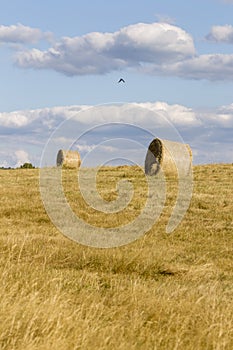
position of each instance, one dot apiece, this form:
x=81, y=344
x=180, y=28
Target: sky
x=60, y=62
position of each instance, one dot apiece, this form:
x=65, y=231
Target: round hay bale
x=68, y=159
x=172, y=157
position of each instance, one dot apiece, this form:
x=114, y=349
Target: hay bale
x=68, y=159
x=172, y=157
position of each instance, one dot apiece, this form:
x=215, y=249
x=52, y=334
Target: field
x=160, y=292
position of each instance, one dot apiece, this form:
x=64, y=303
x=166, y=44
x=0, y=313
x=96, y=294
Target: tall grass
x=159, y=292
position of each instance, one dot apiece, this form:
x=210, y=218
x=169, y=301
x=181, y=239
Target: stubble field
x=160, y=292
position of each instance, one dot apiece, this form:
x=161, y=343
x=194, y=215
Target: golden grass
x=160, y=292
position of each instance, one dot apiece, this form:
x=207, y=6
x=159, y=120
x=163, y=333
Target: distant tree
x=27, y=166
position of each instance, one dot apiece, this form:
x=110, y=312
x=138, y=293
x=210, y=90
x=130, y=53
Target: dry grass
x=160, y=292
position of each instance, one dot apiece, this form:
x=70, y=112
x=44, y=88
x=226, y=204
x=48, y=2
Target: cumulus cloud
x=225, y=116
x=98, y=53
x=209, y=67
x=39, y=119
x=47, y=119
x=22, y=157
x=4, y=163
x=177, y=114
x=157, y=48
x=14, y=119
x=221, y=34
x=20, y=34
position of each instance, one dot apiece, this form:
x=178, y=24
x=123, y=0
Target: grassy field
x=159, y=292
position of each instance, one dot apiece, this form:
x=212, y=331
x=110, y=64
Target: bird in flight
x=121, y=81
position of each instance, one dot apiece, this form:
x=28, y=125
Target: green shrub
x=27, y=166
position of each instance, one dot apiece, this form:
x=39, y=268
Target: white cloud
x=48, y=119
x=22, y=157
x=20, y=34
x=85, y=148
x=221, y=34
x=89, y=148
x=4, y=163
x=14, y=119
x=209, y=67
x=98, y=53
x=177, y=114
x=45, y=118
x=225, y=116
x=156, y=48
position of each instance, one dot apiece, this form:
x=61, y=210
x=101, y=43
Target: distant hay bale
x=68, y=159
x=172, y=157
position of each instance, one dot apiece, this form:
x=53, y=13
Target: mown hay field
x=160, y=292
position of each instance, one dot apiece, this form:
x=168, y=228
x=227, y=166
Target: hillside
x=160, y=292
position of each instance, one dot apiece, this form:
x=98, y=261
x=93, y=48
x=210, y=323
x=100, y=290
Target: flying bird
x=121, y=81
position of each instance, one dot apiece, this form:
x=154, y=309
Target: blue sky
x=57, y=56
